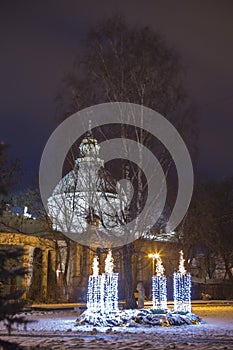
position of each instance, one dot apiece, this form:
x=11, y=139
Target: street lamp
x=153, y=256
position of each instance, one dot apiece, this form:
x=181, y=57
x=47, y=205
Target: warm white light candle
x=95, y=266
x=182, y=269
x=109, y=264
x=159, y=266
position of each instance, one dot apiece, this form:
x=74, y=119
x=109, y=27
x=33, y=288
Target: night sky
x=38, y=40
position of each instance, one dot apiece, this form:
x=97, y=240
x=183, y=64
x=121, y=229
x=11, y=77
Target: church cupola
x=89, y=146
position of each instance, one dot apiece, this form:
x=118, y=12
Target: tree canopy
x=130, y=64
x=119, y=63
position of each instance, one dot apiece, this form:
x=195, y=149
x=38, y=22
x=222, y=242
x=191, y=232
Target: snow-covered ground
x=57, y=330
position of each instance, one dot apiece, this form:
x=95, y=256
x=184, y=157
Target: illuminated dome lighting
x=87, y=204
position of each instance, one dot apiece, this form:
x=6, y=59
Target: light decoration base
x=182, y=288
x=102, y=307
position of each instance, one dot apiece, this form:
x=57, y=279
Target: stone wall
x=34, y=246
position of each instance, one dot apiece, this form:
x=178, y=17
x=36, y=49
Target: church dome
x=75, y=180
x=87, y=198
x=88, y=167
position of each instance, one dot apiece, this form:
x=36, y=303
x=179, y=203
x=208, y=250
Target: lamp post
x=153, y=256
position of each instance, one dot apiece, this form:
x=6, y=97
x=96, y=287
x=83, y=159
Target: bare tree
x=209, y=224
x=119, y=63
x=10, y=173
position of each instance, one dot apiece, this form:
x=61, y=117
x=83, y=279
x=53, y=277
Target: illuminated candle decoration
x=102, y=294
x=159, y=286
x=109, y=286
x=102, y=306
x=94, y=288
x=182, y=287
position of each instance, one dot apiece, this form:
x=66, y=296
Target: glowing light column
x=159, y=286
x=182, y=287
x=109, y=287
x=94, y=288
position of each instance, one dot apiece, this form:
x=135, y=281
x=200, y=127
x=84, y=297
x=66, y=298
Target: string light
x=94, y=288
x=94, y=293
x=109, y=289
x=102, y=294
x=109, y=286
x=182, y=287
x=159, y=286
